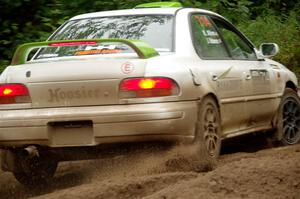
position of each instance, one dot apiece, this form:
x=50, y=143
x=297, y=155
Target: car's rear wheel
x=208, y=131
x=32, y=171
x=288, y=125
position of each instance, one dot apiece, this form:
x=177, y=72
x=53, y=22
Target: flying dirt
x=249, y=170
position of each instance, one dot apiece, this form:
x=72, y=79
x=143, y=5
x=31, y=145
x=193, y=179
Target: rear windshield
x=156, y=30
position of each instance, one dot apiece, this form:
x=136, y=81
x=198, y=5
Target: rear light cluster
x=14, y=93
x=148, y=87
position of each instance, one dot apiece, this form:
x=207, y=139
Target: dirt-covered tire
x=208, y=132
x=288, y=118
x=35, y=171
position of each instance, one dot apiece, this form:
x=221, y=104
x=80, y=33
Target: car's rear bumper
x=57, y=127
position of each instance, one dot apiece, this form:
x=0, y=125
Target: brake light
x=147, y=84
x=72, y=43
x=148, y=87
x=7, y=91
x=14, y=93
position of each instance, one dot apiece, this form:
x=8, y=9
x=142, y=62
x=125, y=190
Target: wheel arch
x=215, y=98
x=212, y=95
x=291, y=85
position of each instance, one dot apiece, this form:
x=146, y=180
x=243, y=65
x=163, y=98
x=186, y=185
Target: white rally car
x=156, y=72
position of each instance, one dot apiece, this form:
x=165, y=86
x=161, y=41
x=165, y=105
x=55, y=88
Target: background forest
x=276, y=21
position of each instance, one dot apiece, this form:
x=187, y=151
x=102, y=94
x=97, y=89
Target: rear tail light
x=148, y=87
x=14, y=93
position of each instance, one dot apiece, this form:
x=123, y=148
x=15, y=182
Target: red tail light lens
x=148, y=87
x=13, y=93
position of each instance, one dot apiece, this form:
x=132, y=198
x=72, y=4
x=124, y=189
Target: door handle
x=214, y=77
x=248, y=77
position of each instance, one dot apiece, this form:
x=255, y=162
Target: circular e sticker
x=127, y=67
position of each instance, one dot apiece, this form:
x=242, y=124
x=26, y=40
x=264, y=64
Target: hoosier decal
x=56, y=95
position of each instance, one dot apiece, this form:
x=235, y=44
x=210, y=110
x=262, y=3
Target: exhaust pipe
x=31, y=151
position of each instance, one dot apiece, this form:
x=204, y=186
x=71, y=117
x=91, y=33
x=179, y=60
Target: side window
x=207, y=41
x=238, y=48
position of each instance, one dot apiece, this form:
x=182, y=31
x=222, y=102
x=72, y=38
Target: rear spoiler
x=142, y=49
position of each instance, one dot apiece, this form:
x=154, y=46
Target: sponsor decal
x=228, y=83
x=127, y=68
x=97, y=51
x=225, y=73
x=45, y=56
x=260, y=76
x=202, y=20
x=224, y=85
x=58, y=95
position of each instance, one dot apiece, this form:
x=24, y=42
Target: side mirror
x=269, y=50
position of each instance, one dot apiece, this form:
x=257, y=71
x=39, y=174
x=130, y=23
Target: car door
x=227, y=77
x=259, y=93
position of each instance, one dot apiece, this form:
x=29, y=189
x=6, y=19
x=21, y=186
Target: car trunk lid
x=77, y=82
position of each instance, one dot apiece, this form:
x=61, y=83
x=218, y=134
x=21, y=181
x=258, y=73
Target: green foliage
x=24, y=21
x=228, y=8
x=261, y=20
x=275, y=29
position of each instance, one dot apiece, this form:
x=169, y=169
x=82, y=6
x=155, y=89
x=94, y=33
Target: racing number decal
x=127, y=68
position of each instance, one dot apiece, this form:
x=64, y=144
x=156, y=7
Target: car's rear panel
x=75, y=83
x=93, y=125
x=77, y=103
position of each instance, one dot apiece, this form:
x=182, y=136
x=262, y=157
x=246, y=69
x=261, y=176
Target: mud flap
x=8, y=160
x=277, y=124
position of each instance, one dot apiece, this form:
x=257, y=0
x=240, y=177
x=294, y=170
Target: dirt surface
x=248, y=170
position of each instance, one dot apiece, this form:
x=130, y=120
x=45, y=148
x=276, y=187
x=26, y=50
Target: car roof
x=138, y=11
